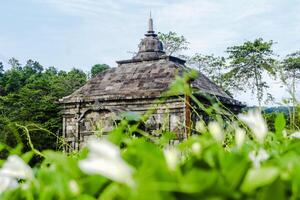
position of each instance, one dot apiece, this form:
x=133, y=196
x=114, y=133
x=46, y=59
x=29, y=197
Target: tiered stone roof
x=147, y=75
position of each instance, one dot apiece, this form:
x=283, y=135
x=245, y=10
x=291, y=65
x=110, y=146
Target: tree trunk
x=293, y=100
x=257, y=88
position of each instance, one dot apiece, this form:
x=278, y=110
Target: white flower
x=216, y=131
x=172, y=157
x=295, y=135
x=284, y=133
x=16, y=168
x=200, y=126
x=258, y=157
x=256, y=123
x=13, y=169
x=7, y=183
x=196, y=148
x=105, y=159
x=240, y=135
x=25, y=186
x=73, y=186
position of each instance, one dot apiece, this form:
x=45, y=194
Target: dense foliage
x=29, y=95
x=98, y=68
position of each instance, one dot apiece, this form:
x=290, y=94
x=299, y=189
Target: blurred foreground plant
x=201, y=167
x=229, y=157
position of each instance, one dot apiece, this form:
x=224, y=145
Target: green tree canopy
x=29, y=95
x=98, y=68
x=291, y=70
x=173, y=43
x=248, y=62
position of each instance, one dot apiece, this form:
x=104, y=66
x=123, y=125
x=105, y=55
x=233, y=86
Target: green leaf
x=27, y=156
x=260, y=177
x=279, y=124
x=234, y=173
x=197, y=181
x=166, y=138
x=275, y=191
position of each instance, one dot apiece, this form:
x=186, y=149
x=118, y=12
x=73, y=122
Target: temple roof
x=147, y=75
x=150, y=47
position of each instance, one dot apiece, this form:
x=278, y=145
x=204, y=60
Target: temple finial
x=150, y=24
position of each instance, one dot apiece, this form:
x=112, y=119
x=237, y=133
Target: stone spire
x=150, y=24
x=150, y=31
x=150, y=46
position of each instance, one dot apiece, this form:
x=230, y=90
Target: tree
x=98, y=68
x=14, y=63
x=1, y=69
x=248, y=62
x=13, y=80
x=290, y=74
x=28, y=96
x=1, y=78
x=74, y=79
x=211, y=66
x=173, y=43
x=290, y=68
x=34, y=66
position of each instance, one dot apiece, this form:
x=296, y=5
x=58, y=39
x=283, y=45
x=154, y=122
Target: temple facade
x=134, y=86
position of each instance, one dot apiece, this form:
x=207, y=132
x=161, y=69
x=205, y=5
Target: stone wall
x=83, y=120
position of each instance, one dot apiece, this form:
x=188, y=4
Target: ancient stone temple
x=134, y=86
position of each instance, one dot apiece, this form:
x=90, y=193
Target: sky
x=81, y=33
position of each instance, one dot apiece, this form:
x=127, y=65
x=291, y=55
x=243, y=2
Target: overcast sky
x=80, y=33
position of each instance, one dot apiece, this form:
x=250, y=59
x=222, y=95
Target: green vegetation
x=173, y=43
x=244, y=68
x=290, y=76
x=212, y=67
x=227, y=159
x=248, y=62
x=98, y=68
x=29, y=96
x=249, y=156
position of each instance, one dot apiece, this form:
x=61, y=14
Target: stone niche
x=97, y=123
x=101, y=120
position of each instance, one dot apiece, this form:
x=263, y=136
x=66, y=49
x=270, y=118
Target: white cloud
x=188, y=13
x=85, y=8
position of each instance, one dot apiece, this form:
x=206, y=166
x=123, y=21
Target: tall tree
x=248, y=62
x=98, y=68
x=173, y=43
x=290, y=75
